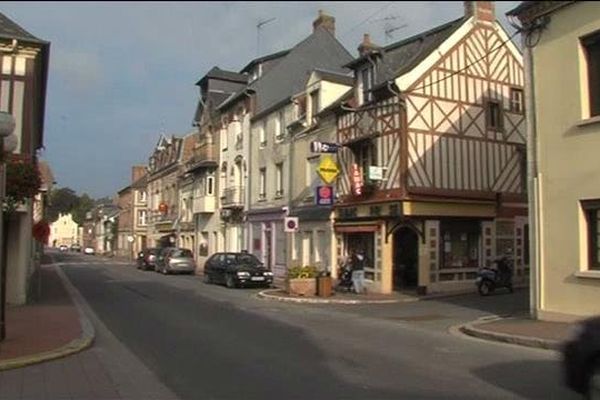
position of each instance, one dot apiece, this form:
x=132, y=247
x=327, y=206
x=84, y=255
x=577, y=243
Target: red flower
x=41, y=231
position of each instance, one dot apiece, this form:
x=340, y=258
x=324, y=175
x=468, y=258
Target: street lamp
x=8, y=144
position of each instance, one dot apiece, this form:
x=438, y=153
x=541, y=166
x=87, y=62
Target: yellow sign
x=328, y=170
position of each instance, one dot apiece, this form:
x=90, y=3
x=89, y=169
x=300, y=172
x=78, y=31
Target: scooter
x=345, y=282
x=489, y=279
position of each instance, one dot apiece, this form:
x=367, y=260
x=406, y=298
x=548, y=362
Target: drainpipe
x=532, y=184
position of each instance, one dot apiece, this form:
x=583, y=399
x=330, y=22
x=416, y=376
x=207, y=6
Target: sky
x=122, y=73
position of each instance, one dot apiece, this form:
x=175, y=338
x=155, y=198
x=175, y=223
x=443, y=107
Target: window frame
x=210, y=186
x=262, y=134
x=279, y=125
x=592, y=76
x=279, y=180
x=314, y=103
x=592, y=232
x=488, y=116
x=521, y=102
x=262, y=183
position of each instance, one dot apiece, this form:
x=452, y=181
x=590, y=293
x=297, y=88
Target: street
x=206, y=341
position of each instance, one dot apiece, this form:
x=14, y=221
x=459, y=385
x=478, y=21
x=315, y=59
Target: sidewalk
x=45, y=330
x=520, y=330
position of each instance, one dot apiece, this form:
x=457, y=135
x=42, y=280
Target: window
x=493, y=116
x=591, y=209
x=279, y=125
x=365, y=154
x=142, y=196
x=460, y=244
x=262, y=134
x=142, y=215
x=262, y=194
x=223, y=139
x=210, y=185
x=516, y=100
x=367, y=80
x=279, y=179
x=591, y=47
x=314, y=104
x=312, y=179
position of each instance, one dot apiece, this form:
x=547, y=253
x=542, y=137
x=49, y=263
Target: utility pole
x=258, y=28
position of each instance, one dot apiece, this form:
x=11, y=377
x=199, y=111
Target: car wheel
x=593, y=384
x=229, y=281
x=206, y=279
x=485, y=288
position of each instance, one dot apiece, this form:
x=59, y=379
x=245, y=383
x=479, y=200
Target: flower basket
x=301, y=281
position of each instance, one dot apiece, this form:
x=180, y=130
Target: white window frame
x=142, y=217
x=279, y=180
x=262, y=194
x=262, y=134
x=209, y=186
x=279, y=125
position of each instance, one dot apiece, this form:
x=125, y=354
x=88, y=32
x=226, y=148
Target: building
x=270, y=145
x=212, y=193
x=315, y=121
x=64, y=231
x=186, y=227
x=562, y=53
x=139, y=179
x=124, y=246
x=163, y=193
x=433, y=158
x=106, y=220
x=24, y=71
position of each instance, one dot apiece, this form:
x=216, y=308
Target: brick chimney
x=366, y=46
x=483, y=11
x=325, y=21
x=137, y=171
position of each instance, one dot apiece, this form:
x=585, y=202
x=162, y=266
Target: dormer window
x=366, y=83
x=314, y=104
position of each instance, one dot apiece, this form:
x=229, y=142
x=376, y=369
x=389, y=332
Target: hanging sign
x=324, y=195
x=357, y=180
x=328, y=170
x=324, y=147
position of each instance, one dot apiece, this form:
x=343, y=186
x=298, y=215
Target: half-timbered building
x=433, y=158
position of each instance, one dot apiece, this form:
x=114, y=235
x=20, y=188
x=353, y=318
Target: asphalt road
x=208, y=342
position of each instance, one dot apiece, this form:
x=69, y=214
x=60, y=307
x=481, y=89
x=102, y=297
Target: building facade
x=64, y=231
x=562, y=39
x=433, y=157
x=140, y=207
x=124, y=246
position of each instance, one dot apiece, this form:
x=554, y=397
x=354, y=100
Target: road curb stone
x=85, y=340
x=265, y=295
x=471, y=329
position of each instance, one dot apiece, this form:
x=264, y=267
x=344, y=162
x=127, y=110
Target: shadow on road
x=500, y=303
x=518, y=378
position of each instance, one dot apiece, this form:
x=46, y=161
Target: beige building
x=562, y=41
x=64, y=231
x=140, y=208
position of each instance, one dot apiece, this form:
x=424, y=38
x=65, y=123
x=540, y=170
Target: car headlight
x=268, y=273
x=243, y=274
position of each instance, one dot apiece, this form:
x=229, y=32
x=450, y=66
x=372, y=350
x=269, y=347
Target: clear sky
x=121, y=73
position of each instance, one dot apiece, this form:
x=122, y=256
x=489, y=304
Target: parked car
x=236, y=269
x=146, y=259
x=175, y=260
x=63, y=247
x=581, y=358
x=89, y=250
x=75, y=247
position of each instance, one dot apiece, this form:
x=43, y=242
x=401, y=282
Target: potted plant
x=301, y=281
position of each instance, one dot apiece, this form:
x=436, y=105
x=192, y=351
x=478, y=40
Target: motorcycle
x=345, y=279
x=490, y=279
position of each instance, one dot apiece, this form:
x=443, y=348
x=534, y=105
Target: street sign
x=357, y=180
x=328, y=170
x=324, y=196
x=375, y=173
x=290, y=224
x=324, y=147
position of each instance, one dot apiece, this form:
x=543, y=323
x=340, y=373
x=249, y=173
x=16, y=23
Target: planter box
x=302, y=287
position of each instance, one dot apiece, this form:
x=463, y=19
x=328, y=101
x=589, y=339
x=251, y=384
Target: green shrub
x=305, y=272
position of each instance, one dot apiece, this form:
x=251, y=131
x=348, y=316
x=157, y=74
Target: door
x=268, y=248
x=406, y=259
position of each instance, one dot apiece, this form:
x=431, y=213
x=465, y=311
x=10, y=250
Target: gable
x=464, y=47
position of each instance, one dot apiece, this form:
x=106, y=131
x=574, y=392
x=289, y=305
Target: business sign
x=323, y=147
x=357, y=180
x=324, y=195
x=375, y=173
x=328, y=170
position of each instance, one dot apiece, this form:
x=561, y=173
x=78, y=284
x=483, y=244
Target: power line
x=366, y=19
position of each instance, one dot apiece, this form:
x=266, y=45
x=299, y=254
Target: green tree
x=62, y=201
x=85, y=204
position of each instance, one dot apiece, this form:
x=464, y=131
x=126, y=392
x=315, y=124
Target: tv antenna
x=388, y=28
x=258, y=28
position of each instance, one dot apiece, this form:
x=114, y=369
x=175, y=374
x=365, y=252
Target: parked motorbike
x=345, y=279
x=490, y=279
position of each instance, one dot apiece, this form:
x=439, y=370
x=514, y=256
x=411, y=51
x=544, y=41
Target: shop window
x=366, y=242
x=591, y=209
x=460, y=244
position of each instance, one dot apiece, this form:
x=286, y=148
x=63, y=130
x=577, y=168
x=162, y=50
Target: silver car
x=175, y=260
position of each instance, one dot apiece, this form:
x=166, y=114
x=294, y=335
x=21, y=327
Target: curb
x=75, y=346
x=471, y=329
x=265, y=295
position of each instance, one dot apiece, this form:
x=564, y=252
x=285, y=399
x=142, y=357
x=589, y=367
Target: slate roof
x=11, y=30
x=319, y=50
x=262, y=59
x=400, y=57
x=140, y=183
x=219, y=73
x=335, y=77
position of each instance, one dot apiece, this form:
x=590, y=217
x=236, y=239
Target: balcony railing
x=233, y=197
x=204, y=155
x=203, y=204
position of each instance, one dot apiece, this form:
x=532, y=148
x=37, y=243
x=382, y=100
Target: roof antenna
x=258, y=28
x=388, y=28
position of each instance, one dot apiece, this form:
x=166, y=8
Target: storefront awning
x=356, y=228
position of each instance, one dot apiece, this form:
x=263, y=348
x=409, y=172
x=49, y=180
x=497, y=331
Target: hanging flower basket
x=41, y=232
x=23, y=182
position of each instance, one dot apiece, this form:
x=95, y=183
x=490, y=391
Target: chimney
x=325, y=21
x=137, y=171
x=483, y=11
x=366, y=46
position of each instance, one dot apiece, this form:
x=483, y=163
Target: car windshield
x=247, y=259
x=182, y=253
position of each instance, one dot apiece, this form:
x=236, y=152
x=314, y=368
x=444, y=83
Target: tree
x=85, y=204
x=62, y=201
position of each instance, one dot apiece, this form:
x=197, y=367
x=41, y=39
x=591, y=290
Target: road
x=209, y=342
